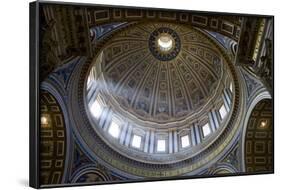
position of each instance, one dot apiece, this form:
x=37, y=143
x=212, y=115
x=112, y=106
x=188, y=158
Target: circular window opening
x=165, y=42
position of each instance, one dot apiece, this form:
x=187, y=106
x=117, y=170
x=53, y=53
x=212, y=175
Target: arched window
x=161, y=145
x=222, y=112
x=206, y=129
x=96, y=109
x=114, y=129
x=231, y=87
x=185, y=142
x=136, y=142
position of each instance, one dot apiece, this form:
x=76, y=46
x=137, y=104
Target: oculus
x=164, y=44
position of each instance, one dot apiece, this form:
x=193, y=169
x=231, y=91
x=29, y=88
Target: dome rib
x=184, y=86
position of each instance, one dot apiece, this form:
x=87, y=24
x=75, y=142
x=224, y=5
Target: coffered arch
x=258, y=147
x=52, y=140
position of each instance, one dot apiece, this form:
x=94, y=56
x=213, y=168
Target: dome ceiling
x=158, y=86
x=159, y=93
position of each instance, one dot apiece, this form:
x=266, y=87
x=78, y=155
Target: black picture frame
x=34, y=130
